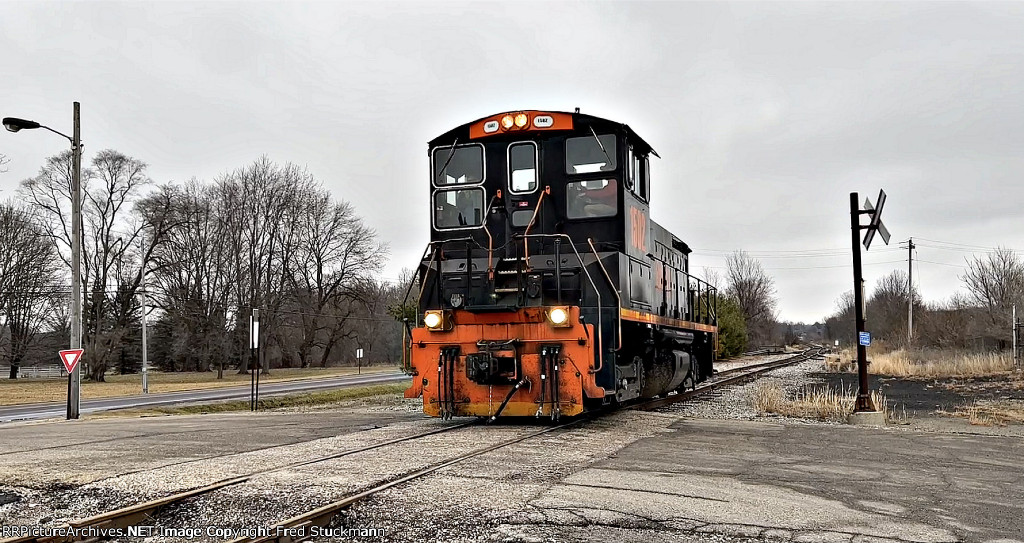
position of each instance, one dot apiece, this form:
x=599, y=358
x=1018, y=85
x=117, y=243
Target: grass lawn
x=308, y=399
x=22, y=391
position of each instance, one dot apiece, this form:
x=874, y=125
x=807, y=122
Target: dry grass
x=925, y=364
x=22, y=391
x=992, y=413
x=309, y=399
x=815, y=402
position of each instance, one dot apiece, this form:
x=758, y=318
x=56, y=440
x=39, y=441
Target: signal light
x=506, y=122
x=559, y=316
x=433, y=320
x=522, y=120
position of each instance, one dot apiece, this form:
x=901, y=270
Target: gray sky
x=767, y=115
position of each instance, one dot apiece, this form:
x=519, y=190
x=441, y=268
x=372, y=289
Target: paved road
x=58, y=409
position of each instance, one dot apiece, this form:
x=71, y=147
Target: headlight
x=506, y=122
x=522, y=120
x=433, y=320
x=559, y=316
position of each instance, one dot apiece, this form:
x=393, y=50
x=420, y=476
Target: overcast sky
x=767, y=115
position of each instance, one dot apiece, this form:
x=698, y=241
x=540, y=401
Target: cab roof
x=471, y=132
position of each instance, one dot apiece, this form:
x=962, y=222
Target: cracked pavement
x=714, y=480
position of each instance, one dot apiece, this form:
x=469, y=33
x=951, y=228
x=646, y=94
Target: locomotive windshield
x=522, y=167
x=464, y=165
x=458, y=208
x=586, y=155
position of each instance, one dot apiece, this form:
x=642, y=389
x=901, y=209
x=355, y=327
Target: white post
x=1014, y=327
x=142, y=295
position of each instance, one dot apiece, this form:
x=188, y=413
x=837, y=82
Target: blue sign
x=865, y=338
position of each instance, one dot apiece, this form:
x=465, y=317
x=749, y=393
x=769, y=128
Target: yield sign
x=70, y=358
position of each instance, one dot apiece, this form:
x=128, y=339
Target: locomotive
x=546, y=289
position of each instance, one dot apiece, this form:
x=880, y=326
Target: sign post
x=863, y=337
x=359, y=361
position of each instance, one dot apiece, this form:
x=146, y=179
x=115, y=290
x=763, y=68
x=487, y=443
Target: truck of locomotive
x=546, y=290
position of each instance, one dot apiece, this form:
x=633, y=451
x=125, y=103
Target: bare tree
x=192, y=276
x=995, y=283
x=28, y=280
x=109, y=237
x=754, y=290
x=886, y=313
x=4, y=161
x=334, y=262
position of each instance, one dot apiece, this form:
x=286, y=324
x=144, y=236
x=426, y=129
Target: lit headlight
x=433, y=320
x=506, y=122
x=559, y=316
x=522, y=120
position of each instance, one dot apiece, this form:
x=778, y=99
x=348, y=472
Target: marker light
x=559, y=316
x=433, y=320
x=506, y=122
x=522, y=120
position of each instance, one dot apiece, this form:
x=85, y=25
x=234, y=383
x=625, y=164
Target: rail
x=78, y=530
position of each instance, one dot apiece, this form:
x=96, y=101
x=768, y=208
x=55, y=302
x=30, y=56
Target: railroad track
x=299, y=527
x=133, y=514
x=730, y=377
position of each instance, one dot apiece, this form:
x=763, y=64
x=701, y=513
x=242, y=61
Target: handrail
x=490, y=240
x=526, y=246
x=615, y=289
x=436, y=246
x=600, y=307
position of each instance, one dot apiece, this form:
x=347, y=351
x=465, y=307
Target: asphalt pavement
x=58, y=409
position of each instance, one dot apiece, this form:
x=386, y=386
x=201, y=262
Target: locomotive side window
x=645, y=179
x=587, y=154
x=459, y=208
x=464, y=165
x=522, y=167
x=587, y=199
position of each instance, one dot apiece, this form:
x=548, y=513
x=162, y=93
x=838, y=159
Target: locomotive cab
x=545, y=289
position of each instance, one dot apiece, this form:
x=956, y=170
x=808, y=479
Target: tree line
x=264, y=237
x=747, y=305
x=976, y=317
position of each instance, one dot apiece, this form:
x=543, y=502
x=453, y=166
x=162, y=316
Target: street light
x=14, y=124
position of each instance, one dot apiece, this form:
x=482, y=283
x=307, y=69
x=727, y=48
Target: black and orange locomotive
x=546, y=290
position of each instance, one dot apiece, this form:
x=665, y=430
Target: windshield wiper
x=601, y=145
x=447, y=160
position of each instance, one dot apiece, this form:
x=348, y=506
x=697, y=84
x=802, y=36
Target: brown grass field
x=925, y=364
x=991, y=413
x=23, y=391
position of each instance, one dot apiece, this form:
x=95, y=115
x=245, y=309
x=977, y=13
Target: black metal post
x=863, y=395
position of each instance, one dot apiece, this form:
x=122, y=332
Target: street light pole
x=14, y=124
x=75, y=379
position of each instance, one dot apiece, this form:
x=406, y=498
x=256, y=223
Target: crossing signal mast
x=863, y=336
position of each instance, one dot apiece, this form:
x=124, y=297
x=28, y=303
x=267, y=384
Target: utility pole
x=1016, y=331
x=910, y=291
x=75, y=378
x=70, y=358
x=142, y=296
